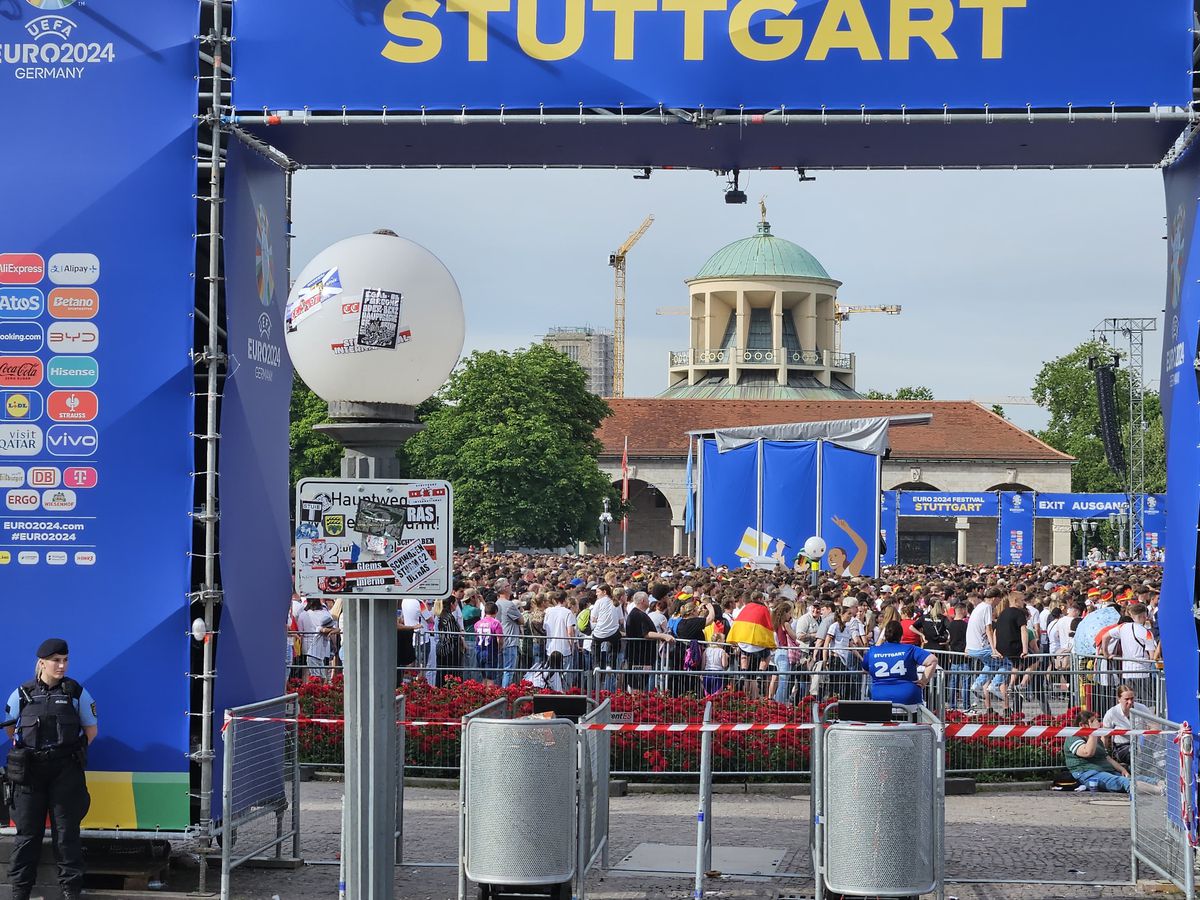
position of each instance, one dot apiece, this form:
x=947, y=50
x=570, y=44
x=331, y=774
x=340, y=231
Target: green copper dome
x=763, y=256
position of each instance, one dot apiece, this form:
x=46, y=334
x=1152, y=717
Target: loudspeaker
x=1110, y=428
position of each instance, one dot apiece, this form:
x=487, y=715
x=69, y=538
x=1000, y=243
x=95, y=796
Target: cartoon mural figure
x=837, y=559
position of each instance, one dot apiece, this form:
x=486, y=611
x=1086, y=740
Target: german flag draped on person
x=753, y=626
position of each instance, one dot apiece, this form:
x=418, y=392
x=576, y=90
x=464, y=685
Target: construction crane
x=845, y=312
x=617, y=261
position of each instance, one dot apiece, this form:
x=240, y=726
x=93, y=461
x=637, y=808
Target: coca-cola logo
x=20, y=371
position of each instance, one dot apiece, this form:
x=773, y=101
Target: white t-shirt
x=606, y=618
x=1062, y=628
x=1137, y=643
x=1115, y=718
x=981, y=618
x=558, y=620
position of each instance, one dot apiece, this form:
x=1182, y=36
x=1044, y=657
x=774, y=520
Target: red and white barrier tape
x=958, y=729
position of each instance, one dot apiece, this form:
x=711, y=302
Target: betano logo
x=74, y=303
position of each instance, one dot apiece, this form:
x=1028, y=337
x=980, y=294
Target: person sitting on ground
x=1120, y=716
x=1088, y=761
x=547, y=675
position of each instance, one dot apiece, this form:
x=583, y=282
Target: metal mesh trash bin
x=520, y=812
x=879, y=809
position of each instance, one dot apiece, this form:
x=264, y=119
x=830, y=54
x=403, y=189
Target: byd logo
x=72, y=440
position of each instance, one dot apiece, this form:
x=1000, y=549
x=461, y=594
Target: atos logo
x=73, y=372
x=44, y=477
x=61, y=500
x=22, y=500
x=74, y=303
x=73, y=337
x=72, y=440
x=21, y=303
x=72, y=406
x=21, y=337
x=21, y=268
x=81, y=477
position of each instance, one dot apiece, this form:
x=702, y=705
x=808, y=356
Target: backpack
x=693, y=656
x=449, y=644
x=584, y=622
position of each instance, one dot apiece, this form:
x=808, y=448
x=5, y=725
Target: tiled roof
x=959, y=430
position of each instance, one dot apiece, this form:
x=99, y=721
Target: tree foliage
x=912, y=392
x=1067, y=390
x=517, y=440
x=311, y=454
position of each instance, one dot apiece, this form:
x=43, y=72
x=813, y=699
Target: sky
x=997, y=271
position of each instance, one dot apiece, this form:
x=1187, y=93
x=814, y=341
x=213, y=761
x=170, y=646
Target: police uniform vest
x=49, y=718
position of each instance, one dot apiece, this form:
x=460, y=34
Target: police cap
x=52, y=647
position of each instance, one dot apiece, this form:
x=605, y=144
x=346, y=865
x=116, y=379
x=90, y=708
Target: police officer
x=55, y=721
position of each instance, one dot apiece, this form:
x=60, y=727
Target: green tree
x=516, y=437
x=311, y=454
x=999, y=410
x=1067, y=390
x=914, y=392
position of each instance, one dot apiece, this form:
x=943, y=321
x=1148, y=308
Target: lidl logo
x=21, y=303
x=20, y=406
x=73, y=371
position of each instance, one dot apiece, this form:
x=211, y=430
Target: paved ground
x=1011, y=838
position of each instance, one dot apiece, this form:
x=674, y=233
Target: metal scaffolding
x=1133, y=333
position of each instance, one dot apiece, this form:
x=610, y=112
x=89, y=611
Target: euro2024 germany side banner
x=96, y=290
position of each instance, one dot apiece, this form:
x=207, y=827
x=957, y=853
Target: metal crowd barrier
x=260, y=784
x=1163, y=773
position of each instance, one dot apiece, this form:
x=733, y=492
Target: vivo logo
x=72, y=440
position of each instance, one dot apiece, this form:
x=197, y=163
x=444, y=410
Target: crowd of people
x=1003, y=634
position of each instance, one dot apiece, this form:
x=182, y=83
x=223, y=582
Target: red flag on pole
x=625, y=481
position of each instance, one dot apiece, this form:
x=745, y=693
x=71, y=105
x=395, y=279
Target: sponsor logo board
x=22, y=499
x=20, y=371
x=81, y=477
x=85, y=557
x=12, y=477
x=20, y=406
x=20, y=440
x=72, y=440
x=73, y=371
x=74, y=268
x=73, y=337
x=21, y=268
x=5, y=557
x=72, y=406
x=56, y=558
x=58, y=500
x=21, y=303
x=21, y=337
x=44, y=477
x=28, y=558
x=73, y=303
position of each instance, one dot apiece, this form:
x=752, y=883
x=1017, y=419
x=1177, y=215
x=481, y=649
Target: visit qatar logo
x=263, y=268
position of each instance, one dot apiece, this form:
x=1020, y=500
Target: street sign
x=374, y=538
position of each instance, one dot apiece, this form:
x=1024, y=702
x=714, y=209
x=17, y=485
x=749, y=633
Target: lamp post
x=1082, y=527
x=374, y=327
x=813, y=552
x=606, y=520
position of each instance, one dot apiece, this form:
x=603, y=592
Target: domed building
x=764, y=349
x=763, y=315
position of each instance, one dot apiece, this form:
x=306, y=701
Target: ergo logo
x=23, y=499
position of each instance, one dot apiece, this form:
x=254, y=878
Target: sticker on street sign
x=374, y=538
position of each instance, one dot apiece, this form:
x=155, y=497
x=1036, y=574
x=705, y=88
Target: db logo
x=23, y=500
x=43, y=477
x=351, y=309
x=74, y=303
x=81, y=477
x=20, y=371
x=72, y=406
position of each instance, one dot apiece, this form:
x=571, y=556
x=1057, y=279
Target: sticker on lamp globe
x=379, y=318
x=311, y=296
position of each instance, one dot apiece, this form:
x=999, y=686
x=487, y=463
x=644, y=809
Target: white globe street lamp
x=374, y=326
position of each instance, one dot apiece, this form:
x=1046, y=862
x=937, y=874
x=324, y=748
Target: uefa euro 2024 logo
x=51, y=4
x=263, y=267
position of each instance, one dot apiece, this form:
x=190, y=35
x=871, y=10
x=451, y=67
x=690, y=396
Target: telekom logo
x=81, y=477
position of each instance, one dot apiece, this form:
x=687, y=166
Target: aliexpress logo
x=74, y=303
x=21, y=268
